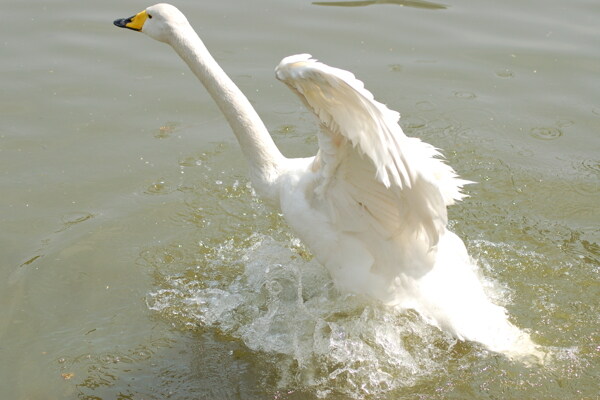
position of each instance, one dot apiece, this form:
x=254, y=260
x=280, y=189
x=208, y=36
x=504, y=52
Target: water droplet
x=158, y=188
x=286, y=129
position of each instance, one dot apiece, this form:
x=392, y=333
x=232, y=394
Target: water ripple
x=158, y=188
x=589, y=165
x=464, y=95
x=546, y=133
x=505, y=74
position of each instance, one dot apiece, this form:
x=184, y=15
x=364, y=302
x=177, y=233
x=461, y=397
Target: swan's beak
x=135, y=23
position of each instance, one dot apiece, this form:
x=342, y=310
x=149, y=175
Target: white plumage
x=379, y=193
x=371, y=205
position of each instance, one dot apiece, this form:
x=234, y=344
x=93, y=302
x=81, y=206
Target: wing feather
x=344, y=106
x=372, y=174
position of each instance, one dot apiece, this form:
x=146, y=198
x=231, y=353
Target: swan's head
x=159, y=21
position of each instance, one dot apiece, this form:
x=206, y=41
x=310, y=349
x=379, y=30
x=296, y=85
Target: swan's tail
x=452, y=297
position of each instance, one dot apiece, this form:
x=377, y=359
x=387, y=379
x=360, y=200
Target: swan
x=370, y=205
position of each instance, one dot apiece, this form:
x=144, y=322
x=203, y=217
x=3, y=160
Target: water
x=138, y=264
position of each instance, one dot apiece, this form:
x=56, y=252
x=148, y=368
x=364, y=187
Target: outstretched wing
x=371, y=174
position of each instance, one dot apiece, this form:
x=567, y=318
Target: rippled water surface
x=137, y=262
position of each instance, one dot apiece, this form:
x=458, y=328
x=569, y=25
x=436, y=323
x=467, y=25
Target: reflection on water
x=404, y=3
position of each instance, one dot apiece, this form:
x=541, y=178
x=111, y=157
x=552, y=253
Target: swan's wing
x=371, y=172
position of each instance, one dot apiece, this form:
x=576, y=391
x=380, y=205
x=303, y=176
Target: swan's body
x=371, y=205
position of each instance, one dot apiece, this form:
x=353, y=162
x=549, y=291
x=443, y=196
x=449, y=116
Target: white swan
x=371, y=205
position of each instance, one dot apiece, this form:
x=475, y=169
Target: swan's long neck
x=264, y=157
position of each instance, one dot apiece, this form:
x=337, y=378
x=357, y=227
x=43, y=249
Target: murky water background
x=138, y=264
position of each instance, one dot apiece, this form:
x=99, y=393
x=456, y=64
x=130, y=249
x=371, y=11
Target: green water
x=138, y=264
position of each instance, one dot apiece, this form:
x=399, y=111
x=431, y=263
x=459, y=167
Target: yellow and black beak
x=134, y=23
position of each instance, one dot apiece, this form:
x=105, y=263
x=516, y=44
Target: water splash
x=282, y=305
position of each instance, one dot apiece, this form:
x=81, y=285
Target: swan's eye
x=149, y=16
